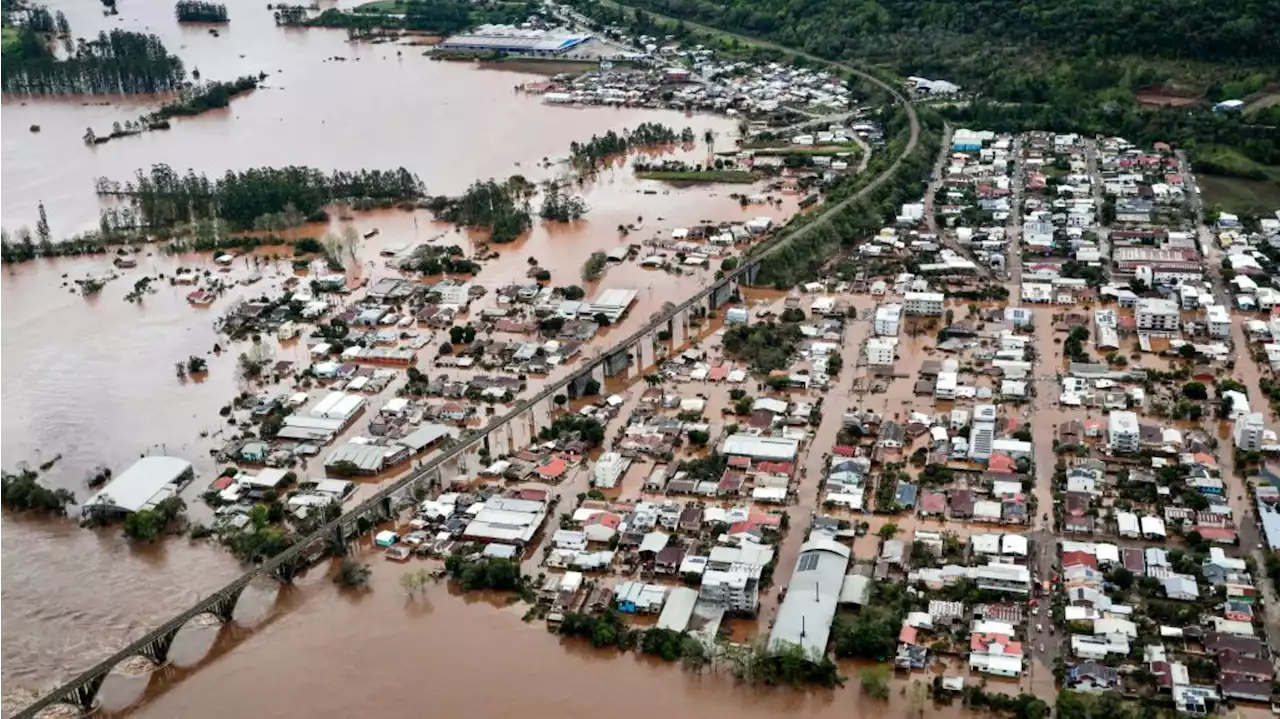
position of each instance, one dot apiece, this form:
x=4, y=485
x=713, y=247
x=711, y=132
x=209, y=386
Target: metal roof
x=140, y=484
x=805, y=616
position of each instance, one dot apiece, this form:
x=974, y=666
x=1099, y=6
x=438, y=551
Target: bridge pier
x=749, y=274
x=541, y=414
x=616, y=362
x=82, y=697
x=225, y=606
x=158, y=649
x=336, y=542
x=679, y=326
x=719, y=296
x=287, y=570
x=646, y=352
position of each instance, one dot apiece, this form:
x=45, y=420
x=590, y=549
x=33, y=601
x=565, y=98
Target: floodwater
x=92, y=379
x=383, y=652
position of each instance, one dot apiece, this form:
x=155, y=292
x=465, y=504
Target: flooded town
x=541, y=355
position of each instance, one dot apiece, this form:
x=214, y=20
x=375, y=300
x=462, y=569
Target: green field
x=1240, y=196
x=9, y=38
x=390, y=6
x=708, y=176
x=851, y=149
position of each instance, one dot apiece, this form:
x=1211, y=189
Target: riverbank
x=697, y=177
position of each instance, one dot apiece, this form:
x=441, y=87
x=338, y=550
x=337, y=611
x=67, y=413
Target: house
x=1180, y=587
x=1222, y=644
x=1245, y=689
x=995, y=654
x=1240, y=667
x=1092, y=676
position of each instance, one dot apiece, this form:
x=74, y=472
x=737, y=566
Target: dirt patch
x=1158, y=99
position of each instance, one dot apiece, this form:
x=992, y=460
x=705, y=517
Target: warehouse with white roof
x=148, y=482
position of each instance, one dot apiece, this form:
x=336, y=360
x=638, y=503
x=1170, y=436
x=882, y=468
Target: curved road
x=290, y=556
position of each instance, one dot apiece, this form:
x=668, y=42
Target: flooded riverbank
x=93, y=379
x=491, y=662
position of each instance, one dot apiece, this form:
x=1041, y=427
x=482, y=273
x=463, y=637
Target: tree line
x=209, y=96
x=198, y=11
x=162, y=198
x=587, y=155
x=117, y=62
x=501, y=208
x=446, y=17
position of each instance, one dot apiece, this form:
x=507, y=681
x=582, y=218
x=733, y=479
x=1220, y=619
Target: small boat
x=371, y=233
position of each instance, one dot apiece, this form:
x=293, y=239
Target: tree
x=560, y=400
x=1195, y=390
x=743, y=405
x=698, y=438
x=42, y=226
x=350, y=242
x=573, y=292
x=601, y=319
x=344, y=468
x=888, y=531
x=352, y=574
x=875, y=681
x=414, y=581
x=590, y=388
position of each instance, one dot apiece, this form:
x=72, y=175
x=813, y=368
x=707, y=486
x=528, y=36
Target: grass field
x=1240, y=196
x=850, y=149
x=9, y=37
x=391, y=6
x=708, y=176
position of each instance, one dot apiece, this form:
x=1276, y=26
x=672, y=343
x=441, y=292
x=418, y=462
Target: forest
x=972, y=41
x=115, y=62
x=161, y=198
x=198, y=11
x=446, y=17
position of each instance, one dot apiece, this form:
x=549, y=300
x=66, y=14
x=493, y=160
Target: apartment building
x=928, y=304
x=1158, y=315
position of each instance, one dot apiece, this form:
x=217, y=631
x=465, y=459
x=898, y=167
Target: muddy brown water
x=93, y=380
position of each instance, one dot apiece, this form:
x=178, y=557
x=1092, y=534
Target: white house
x=1218, y=320
x=888, y=318
x=1122, y=431
x=1247, y=431
x=882, y=351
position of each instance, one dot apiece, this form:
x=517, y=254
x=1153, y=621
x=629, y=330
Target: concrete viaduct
x=636, y=353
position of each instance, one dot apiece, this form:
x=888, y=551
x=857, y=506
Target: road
x=1246, y=371
x=1013, y=225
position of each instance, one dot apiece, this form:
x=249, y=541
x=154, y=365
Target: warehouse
x=761, y=449
x=365, y=458
x=148, y=482
x=805, y=616
x=514, y=40
x=610, y=303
